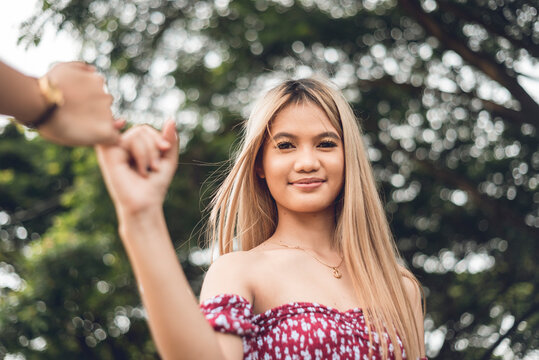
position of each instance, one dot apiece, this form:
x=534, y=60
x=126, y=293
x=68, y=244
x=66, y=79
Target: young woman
x=317, y=274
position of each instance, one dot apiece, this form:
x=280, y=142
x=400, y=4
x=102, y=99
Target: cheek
x=273, y=183
x=272, y=166
x=338, y=170
x=336, y=164
x=276, y=177
x=274, y=173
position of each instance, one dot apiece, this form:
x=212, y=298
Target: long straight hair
x=244, y=213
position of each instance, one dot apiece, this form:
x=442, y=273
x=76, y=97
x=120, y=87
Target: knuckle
x=148, y=129
x=99, y=79
x=138, y=129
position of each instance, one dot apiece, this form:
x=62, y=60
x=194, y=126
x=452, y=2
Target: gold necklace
x=336, y=273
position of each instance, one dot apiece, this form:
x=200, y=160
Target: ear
x=259, y=169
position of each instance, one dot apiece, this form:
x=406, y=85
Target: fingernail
x=165, y=143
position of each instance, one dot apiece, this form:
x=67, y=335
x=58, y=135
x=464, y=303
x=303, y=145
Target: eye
x=284, y=145
x=327, y=144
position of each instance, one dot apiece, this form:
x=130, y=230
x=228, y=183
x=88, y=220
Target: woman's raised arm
x=138, y=172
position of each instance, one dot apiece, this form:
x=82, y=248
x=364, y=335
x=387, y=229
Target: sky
x=54, y=46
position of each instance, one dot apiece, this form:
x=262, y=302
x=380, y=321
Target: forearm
x=20, y=95
x=177, y=325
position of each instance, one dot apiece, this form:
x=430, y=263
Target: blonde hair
x=244, y=214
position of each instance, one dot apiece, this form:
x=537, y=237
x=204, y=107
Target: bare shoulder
x=415, y=295
x=411, y=286
x=229, y=274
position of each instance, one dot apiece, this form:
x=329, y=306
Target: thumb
x=82, y=66
x=103, y=160
x=119, y=123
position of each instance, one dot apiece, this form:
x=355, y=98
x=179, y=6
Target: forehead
x=302, y=118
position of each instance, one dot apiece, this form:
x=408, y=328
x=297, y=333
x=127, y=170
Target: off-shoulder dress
x=297, y=330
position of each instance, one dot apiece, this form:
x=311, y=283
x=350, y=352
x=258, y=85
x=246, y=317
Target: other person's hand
x=85, y=117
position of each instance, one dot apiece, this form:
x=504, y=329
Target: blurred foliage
x=451, y=132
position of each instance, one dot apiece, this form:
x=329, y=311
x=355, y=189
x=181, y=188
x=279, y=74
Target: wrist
x=142, y=230
x=36, y=103
x=53, y=99
x=131, y=220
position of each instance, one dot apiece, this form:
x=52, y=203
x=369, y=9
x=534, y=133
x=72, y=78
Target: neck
x=311, y=231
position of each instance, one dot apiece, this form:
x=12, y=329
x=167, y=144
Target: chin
x=306, y=207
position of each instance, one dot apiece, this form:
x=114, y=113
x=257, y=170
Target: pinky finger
x=161, y=143
x=119, y=123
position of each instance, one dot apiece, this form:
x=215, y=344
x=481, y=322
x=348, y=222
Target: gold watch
x=53, y=97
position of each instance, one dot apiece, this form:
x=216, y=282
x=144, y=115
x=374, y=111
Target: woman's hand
x=138, y=170
x=137, y=173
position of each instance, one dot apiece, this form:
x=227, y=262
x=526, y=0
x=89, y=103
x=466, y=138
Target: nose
x=306, y=161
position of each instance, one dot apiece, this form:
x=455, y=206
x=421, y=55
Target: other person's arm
x=82, y=117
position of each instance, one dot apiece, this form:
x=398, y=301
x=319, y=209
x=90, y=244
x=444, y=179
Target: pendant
x=336, y=273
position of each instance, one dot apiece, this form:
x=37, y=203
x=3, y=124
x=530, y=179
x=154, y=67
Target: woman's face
x=303, y=160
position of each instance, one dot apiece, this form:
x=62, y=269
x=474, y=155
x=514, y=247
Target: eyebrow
x=329, y=134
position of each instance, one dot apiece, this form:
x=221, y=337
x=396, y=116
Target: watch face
x=52, y=94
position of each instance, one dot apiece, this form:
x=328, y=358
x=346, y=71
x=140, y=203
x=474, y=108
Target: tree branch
x=496, y=211
x=478, y=59
x=531, y=311
x=507, y=114
x=465, y=14
x=39, y=209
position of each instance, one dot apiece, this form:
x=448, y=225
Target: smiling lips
x=308, y=183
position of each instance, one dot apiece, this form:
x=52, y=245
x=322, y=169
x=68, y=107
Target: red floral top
x=298, y=330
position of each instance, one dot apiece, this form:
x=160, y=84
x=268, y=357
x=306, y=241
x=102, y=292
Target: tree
x=451, y=131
